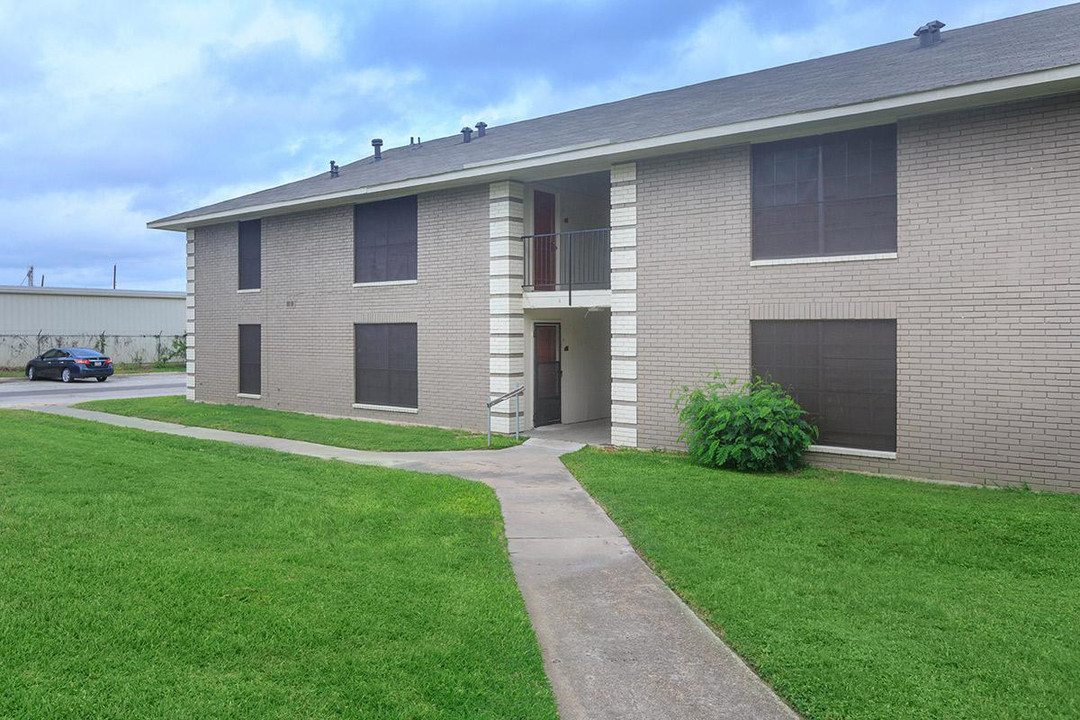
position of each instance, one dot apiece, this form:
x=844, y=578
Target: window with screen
x=249, y=255
x=825, y=195
x=250, y=357
x=386, y=365
x=385, y=241
x=842, y=372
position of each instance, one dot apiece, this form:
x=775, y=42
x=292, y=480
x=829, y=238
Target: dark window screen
x=250, y=352
x=385, y=240
x=843, y=373
x=386, y=364
x=826, y=195
x=250, y=255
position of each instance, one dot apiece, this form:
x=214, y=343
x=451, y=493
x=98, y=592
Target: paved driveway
x=23, y=393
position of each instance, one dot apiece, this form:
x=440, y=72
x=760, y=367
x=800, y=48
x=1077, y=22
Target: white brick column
x=624, y=305
x=507, y=318
x=190, y=366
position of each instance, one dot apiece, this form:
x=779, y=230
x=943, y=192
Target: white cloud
x=313, y=35
x=115, y=113
x=148, y=47
x=74, y=238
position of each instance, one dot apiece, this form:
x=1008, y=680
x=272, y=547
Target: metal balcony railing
x=575, y=260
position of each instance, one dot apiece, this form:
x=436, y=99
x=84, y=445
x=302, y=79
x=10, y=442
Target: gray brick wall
x=308, y=305
x=986, y=292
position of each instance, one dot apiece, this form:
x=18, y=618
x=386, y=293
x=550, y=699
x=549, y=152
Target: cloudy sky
x=113, y=114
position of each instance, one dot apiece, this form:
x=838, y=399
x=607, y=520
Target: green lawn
x=125, y=368
x=863, y=597
x=339, y=432
x=149, y=576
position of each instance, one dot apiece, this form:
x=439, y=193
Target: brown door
x=544, y=244
x=547, y=374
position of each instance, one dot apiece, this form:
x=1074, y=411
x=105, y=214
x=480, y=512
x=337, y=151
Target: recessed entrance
x=547, y=374
x=568, y=370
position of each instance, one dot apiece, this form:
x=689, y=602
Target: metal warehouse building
x=130, y=325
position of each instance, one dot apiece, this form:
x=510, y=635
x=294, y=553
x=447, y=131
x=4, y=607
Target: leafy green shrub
x=165, y=354
x=754, y=427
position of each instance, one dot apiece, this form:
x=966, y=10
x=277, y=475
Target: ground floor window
x=386, y=364
x=250, y=354
x=843, y=372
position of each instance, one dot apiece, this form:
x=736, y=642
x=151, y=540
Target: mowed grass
x=863, y=597
x=149, y=576
x=339, y=432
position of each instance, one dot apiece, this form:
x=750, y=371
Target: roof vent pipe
x=466, y=134
x=333, y=169
x=930, y=33
x=481, y=129
x=377, y=144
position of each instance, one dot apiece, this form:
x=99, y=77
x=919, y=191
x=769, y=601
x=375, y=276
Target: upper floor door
x=545, y=242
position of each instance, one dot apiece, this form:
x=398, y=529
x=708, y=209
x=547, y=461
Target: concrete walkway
x=617, y=643
x=589, y=432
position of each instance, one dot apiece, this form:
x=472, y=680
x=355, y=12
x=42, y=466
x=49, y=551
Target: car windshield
x=85, y=353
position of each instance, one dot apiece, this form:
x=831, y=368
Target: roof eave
x=592, y=156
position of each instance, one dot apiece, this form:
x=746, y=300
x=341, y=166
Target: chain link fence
x=16, y=350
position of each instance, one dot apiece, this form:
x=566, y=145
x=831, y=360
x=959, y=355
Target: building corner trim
x=506, y=315
x=624, y=361
x=189, y=338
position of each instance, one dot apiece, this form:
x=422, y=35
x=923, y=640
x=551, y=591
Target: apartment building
x=892, y=233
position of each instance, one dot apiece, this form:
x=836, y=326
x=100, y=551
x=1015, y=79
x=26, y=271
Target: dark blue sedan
x=69, y=364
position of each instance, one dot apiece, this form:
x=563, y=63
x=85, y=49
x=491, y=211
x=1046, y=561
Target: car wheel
x=66, y=375
x=102, y=379
x=30, y=374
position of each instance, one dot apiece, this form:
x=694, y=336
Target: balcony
x=559, y=266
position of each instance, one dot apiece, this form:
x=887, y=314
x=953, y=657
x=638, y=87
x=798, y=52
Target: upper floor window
x=249, y=255
x=826, y=195
x=385, y=241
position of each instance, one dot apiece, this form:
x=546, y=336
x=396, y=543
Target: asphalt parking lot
x=20, y=392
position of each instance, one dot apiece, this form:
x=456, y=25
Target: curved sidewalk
x=617, y=642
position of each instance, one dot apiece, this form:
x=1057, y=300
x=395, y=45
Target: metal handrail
x=515, y=393
x=593, y=268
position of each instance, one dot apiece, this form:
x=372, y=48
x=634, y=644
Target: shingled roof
x=1013, y=46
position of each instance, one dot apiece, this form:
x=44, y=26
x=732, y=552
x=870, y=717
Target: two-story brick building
x=893, y=233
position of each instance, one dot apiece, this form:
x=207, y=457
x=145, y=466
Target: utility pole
x=114, y=276
x=42, y=279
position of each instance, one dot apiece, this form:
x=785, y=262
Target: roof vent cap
x=930, y=33
x=377, y=144
x=481, y=129
x=466, y=134
x=333, y=169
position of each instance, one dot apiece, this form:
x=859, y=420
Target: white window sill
x=386, y=408
x=248, y=290
x=249, y=396
x=386, y=283
x=856, y=452
x=823, y=259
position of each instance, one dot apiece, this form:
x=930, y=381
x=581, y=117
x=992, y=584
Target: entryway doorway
x=547, y=374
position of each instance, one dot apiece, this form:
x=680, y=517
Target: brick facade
x=307, y=307
x=985, y=291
